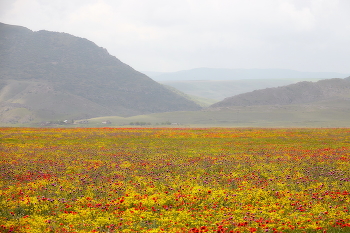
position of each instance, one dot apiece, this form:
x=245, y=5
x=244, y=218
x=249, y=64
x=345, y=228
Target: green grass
x=254, y=116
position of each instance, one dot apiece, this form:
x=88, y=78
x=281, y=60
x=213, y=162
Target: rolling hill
x=294, y=94
x=49, y=75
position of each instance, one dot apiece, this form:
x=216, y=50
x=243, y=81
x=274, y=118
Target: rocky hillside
x=294, y=94
x=51, y=75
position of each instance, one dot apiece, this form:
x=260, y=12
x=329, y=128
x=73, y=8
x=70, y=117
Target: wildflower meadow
x=174, y=180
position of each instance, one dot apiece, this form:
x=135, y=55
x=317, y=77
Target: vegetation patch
x=174, y=180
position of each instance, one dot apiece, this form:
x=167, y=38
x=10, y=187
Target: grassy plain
x=174, y=180
x=251, y=116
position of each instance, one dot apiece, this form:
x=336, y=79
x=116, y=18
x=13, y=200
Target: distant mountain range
x=217, y=90
x=239, y=74
x=49, y=75
x=218, y=84
x=295, y=94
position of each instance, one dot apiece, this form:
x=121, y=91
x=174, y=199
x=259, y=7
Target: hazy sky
x=171, y=35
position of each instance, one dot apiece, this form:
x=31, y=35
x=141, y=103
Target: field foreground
x=174, y=180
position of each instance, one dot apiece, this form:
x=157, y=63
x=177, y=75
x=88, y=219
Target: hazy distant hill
x=218, y=84
x=294, y=94
x=238, y=74
x=218, y=90
x=51, y=75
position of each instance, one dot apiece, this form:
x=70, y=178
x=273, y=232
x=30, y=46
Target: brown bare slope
x=56, y=75
x=294, y=94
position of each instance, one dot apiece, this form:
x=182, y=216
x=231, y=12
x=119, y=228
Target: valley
x=56, y=79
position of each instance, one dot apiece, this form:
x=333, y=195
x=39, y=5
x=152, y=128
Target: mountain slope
x=294, y=94
x=68, y=76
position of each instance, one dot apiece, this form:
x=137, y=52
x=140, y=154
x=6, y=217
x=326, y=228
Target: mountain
x=321, y=92
x=50, y=75
x=239, y=74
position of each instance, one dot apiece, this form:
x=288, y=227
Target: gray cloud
x=164, y=35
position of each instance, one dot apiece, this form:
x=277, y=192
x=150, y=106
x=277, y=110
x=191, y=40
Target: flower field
x=174, y=180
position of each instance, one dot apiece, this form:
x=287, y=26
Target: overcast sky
x=172, y=35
